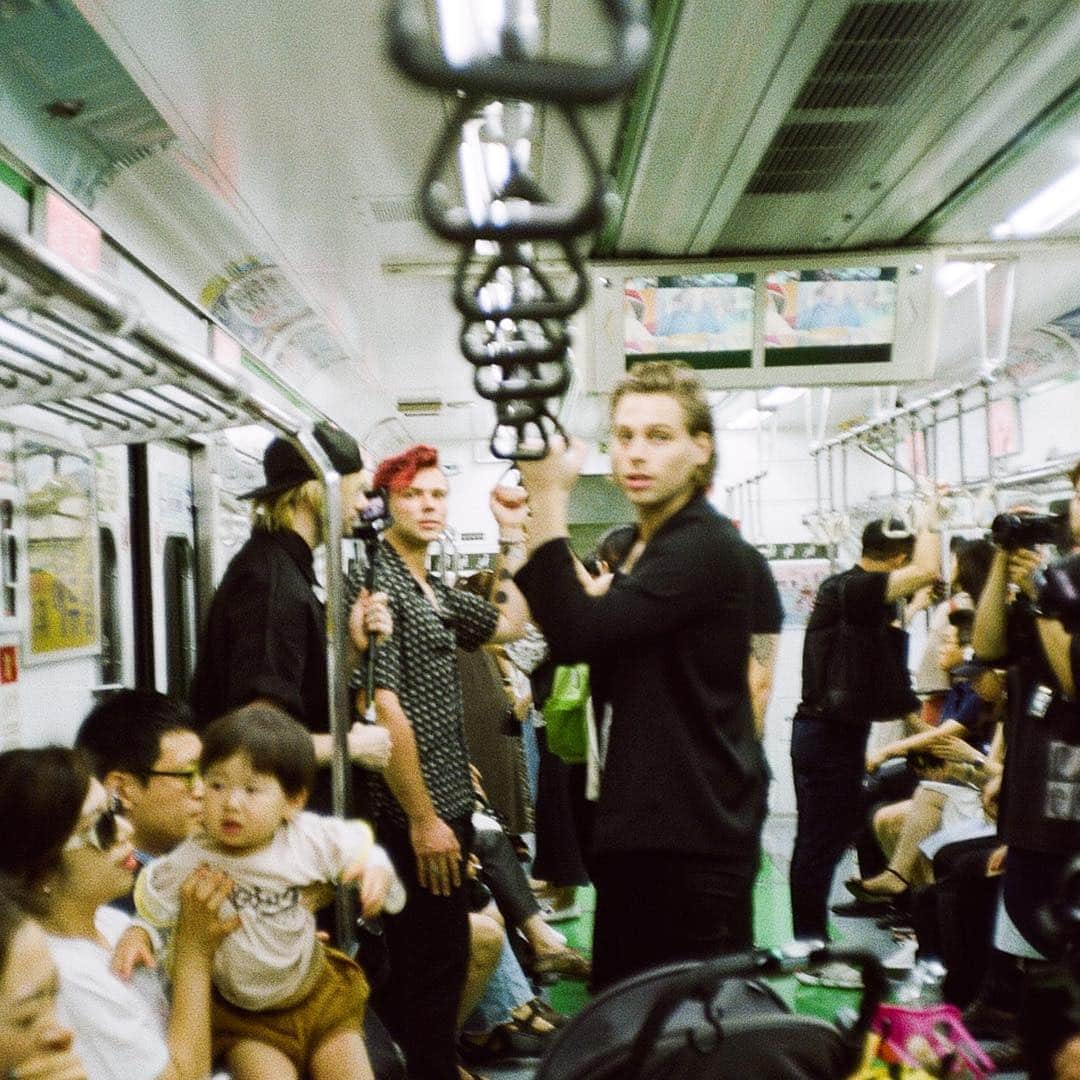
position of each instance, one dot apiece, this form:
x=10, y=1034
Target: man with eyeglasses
x=143, y=749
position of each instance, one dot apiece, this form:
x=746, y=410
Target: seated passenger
x=953, y=766
x=284, y=1004
x=502, y=873
x=64, y=841
x=143, y=749
x=33, y=1042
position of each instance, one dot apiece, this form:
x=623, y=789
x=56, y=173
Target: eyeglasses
x=191, y=776
x=102, y=833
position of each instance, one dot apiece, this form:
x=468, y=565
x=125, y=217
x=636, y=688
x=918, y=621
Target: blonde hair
x=678, y=381
x=276, y=513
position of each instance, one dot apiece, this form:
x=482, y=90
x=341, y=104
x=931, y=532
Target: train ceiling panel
x=284, y=133
x=834, y=124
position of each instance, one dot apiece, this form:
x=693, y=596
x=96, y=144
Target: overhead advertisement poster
x=60, y=550
x=706, y=320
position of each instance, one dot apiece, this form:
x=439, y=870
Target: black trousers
x=428, y=943
x=828, y=761
x=954, y=917
x=503, y=875
x=655, y=908
x=560, y=812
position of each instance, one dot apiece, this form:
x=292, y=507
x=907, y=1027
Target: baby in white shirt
x=284, y=1004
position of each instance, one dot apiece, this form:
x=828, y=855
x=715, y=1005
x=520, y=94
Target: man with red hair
x=422, y=803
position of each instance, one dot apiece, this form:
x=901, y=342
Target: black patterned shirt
x=418, y=663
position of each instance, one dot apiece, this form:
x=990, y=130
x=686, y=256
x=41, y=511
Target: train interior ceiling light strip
x=1055, y=204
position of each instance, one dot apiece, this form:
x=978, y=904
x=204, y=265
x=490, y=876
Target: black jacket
x=668, y=648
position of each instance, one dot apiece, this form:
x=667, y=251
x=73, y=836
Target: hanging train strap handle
x=518, y=76
x=515, y=331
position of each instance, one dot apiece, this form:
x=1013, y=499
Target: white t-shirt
x=119, y=1026
x=269, y=959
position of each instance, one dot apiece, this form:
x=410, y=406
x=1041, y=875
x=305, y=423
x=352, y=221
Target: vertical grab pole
x=336, y=677
x=960, y=436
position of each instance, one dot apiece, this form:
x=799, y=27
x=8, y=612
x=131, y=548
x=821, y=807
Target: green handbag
x=566, y=713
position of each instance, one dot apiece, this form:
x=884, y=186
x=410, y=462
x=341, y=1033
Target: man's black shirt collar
x=295, y=546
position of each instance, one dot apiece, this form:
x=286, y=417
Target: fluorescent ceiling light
x=954, y=277
x=779, y=396
x=1044, y=211
x=717, y=397
x=748, y=420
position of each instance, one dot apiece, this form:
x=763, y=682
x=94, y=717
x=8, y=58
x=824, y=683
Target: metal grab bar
x=531, y=79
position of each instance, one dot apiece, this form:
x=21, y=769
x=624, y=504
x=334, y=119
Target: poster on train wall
x=9, y=693
x=61, y=550
x=798, y=581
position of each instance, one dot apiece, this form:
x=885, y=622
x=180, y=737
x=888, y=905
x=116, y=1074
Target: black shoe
x=860, y=909
x=1008, y=1056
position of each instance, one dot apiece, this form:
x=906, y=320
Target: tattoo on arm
x=763, y=648
x=500, y=597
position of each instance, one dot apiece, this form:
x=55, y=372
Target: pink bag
x=940, y=1026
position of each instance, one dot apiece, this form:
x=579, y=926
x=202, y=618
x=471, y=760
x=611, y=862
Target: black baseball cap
x=285, y=467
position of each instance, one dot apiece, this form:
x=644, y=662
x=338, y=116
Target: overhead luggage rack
x=75, y=347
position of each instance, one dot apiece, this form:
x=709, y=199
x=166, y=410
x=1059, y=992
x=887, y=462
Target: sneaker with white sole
x=903, y=958
x=835, y=975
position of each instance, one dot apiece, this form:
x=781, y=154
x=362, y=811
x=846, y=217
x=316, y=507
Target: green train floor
x=772, y=927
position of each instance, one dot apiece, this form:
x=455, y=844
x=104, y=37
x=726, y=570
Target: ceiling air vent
x=395, y=210
x=883, y=59
x=879, y=51
x=806, y=157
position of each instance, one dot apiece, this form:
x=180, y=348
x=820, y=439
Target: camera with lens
x=375, y=518
x=1012, y=531
x=1059, y=592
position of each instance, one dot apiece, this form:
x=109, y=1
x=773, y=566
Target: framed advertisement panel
x=61, y=549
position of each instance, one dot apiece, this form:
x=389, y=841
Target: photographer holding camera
x=1029, y=614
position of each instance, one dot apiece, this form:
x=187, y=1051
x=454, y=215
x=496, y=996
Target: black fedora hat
x=285, y=468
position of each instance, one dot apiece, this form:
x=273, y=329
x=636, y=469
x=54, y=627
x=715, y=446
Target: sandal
x=539, y=1008
x=506, y=1042
x=859, y=890
x=566, y=963
x=539, y=1019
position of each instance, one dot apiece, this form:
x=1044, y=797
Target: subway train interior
x=457, y=222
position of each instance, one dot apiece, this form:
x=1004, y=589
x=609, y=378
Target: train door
x=171, y=535
x=10, y=725
x=116, y=663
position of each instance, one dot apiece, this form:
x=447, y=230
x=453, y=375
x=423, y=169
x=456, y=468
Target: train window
x=179, y=572
x=8, y=559
x=112, y=657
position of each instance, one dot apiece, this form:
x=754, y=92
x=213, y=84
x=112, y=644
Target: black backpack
x=856, y=671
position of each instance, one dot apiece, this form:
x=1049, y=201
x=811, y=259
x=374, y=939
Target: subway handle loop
x=522, y=210
x=521, y=341
x=545, y=303
x=524, y=382
x=519, y=76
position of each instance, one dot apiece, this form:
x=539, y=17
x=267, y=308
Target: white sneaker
x=835, y=975
x=903, y=958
